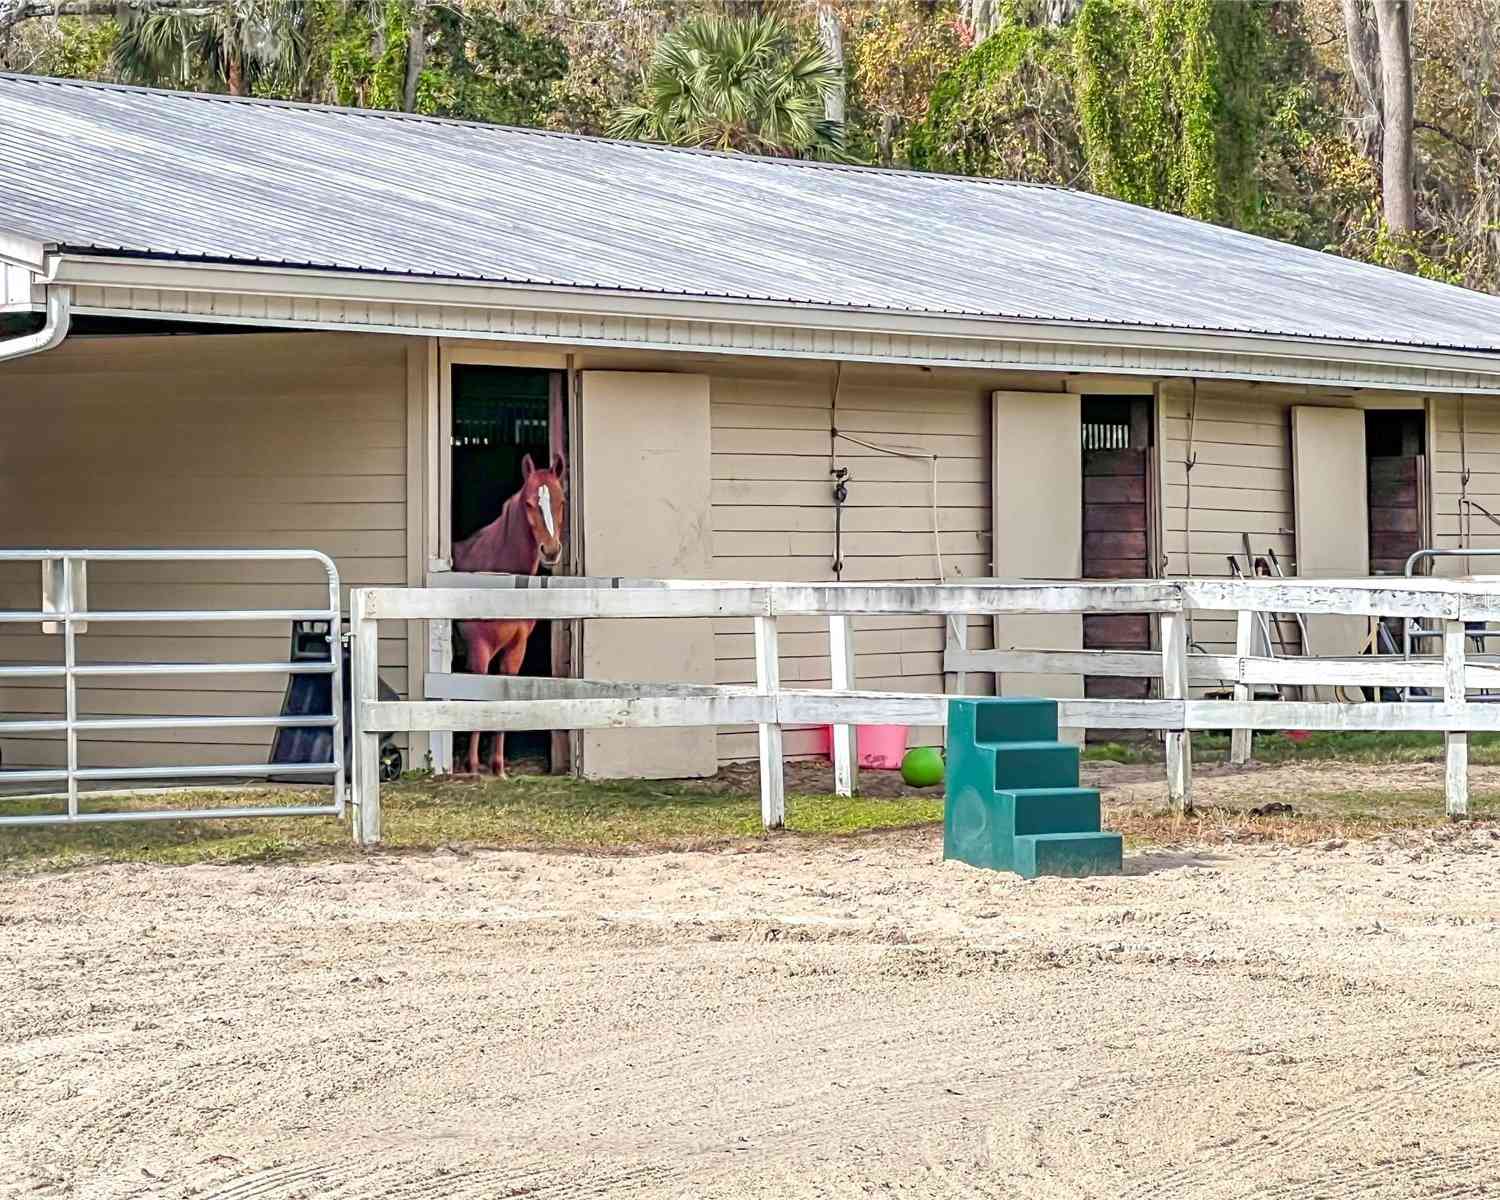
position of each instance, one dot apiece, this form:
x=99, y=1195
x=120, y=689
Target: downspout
x=53, y=330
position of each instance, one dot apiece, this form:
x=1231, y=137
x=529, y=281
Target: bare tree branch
x=1364, y=69
x=14, y=12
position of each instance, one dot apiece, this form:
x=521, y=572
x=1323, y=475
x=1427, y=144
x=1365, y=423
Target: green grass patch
x=531, y=812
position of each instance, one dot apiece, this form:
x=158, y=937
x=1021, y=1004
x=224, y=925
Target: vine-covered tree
x=1169, y=103
x=1008, y=109
x=738, y=83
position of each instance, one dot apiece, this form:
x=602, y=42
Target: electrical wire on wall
x=1190, y=460
x=1465, y=512
x=841, y=475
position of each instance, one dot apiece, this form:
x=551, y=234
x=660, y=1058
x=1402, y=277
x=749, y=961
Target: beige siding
x=774, y=519
x=1479, y=451
x=263, y=440
x=1241, y=484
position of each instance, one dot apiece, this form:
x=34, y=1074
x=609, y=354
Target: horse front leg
x=479, y=650
x=510, y=664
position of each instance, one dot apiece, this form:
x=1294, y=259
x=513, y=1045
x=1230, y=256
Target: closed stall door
x=1116, y=521
x=1395, y=453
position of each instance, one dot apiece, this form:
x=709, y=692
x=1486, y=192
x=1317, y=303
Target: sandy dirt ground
x=812, y=1019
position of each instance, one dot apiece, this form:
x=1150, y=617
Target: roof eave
x=283, y=296
x=25, y=252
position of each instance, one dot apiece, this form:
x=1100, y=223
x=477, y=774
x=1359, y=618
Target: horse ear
x=559, y=466
x=527, y=467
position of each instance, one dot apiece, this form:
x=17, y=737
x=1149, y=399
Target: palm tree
x=229, y=45
x=737, y=83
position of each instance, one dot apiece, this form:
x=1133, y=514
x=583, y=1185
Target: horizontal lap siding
x=255, y=441
x=1480, y=449
x=1241, y=483
x=774, y=519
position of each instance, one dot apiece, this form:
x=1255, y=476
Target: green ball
x=923, y=766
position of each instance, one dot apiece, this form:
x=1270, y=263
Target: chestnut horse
x=526, y=536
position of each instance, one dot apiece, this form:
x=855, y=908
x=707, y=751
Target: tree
x=15, y=13
x=988, y=17
x=1363, y=44
x=831, y=36
x=219, y=47
x=1171, y=103
x=733, y=83
x=1007, y=109
x=1392, y=21
x=898, y=50
x=439, y=59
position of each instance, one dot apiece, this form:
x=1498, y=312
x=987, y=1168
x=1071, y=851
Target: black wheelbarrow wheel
x=391, y=763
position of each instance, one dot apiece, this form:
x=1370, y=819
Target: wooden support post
x=364, y=752
x=1244, y=647
x=1175, y=687
x=845, y=749
x=768, y=682
x=440, y=662
x=1456, y=775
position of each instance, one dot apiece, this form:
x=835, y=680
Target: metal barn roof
x=107, y=169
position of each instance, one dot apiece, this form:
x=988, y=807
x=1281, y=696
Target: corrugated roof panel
x=172, y=174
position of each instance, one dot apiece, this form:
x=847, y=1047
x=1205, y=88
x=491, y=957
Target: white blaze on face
x=544, y=502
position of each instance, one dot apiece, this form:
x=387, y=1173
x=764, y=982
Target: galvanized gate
x=64, y=609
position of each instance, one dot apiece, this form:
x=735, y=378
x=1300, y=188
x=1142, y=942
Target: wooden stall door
x=1329, y=478
x=1037, y=527
x=1397, y=473
x=1116, y=523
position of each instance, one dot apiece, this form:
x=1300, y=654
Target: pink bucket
x=881, y=747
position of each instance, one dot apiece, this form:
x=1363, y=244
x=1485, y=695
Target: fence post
x=1174, y=687
x=1244, y=647
x=768, y=683
x=845, y=748
x=364, y=756
x=1456, y=775
x=440, y=660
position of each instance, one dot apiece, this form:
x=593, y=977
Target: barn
x=232, y=323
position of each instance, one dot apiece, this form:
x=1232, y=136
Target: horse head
x=546, y=505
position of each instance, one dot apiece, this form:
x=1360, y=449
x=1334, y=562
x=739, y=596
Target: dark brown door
x=1116, y=524
x=1394, y=446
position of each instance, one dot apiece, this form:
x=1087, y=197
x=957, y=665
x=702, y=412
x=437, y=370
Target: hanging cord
x=1465, y=505
x=912, y=452
x=920, y=455
x=839, y=474
x=1188, y=463
x=1472, y=505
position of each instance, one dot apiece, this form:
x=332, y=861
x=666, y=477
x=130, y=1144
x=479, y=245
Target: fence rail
x=455, y=702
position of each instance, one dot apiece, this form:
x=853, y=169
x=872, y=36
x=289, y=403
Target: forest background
x=1366, y=128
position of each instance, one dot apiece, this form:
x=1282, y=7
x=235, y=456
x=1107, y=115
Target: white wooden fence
x=455, y=703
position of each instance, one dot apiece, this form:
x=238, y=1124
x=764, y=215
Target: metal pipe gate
x=64, y=609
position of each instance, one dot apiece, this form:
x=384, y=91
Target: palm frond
x=737, y=83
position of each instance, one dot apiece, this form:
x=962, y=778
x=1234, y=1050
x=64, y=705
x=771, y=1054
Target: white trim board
x=290, y=298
